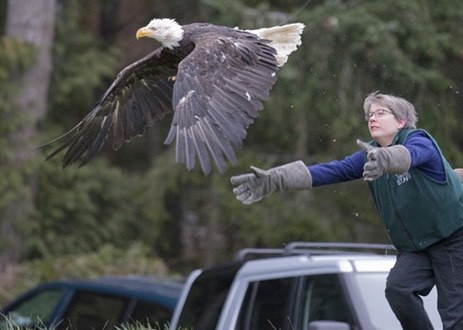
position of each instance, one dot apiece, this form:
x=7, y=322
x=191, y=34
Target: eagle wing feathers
x=217, y=95
x=140, y=95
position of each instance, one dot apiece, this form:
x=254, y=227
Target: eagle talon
x=172, y=78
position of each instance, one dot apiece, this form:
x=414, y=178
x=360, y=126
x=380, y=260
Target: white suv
x=302, y=287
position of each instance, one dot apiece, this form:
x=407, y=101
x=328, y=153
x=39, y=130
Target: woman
x=418, y=197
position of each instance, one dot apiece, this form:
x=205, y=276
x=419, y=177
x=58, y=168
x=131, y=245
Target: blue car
x=106, y=302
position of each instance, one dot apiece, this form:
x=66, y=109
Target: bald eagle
x=212, y=78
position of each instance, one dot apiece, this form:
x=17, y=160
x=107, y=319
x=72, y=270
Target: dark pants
x=416, y=273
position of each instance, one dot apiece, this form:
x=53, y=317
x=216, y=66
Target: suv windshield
x=372, y=287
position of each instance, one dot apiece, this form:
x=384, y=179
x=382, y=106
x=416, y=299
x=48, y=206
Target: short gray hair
x=400, y=107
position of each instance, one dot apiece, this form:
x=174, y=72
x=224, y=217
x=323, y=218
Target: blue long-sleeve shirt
x=423, y=152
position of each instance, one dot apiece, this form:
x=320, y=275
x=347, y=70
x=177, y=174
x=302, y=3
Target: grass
x=140, y=326
x=7, y=323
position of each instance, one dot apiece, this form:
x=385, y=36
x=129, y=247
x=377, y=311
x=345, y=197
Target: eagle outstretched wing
x=140, y=95
x=217, y=94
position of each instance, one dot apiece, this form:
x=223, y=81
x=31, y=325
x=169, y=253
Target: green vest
x=416, y=210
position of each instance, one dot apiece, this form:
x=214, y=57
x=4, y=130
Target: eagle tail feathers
x=284, y=39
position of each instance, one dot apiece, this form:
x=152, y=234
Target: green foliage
x=82, y=64
x=15, y=58
x=79, y=209
x=382, y=49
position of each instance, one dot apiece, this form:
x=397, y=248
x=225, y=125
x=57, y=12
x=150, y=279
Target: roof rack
x=315, y=248
x=258, y=253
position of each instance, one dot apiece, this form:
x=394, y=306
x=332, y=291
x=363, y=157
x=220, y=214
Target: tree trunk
x=31, y=22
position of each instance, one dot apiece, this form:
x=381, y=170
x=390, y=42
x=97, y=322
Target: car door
x=294, y=303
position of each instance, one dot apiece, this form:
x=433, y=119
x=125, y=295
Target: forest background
x=135, y=210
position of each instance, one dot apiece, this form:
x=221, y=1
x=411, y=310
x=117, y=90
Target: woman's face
x=383, y=125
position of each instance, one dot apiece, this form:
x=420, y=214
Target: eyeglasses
x=378, y=114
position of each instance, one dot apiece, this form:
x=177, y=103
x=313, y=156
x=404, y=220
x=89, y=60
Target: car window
x=323, y=299
x=206, y=298
x=150, y=314
x=37, y=309
x=267, y=305
x=88, y=310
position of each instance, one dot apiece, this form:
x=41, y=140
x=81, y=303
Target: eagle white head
x=165, y=30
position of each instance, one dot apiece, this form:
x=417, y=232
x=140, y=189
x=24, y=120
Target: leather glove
x=395, y=159
x=252, y=187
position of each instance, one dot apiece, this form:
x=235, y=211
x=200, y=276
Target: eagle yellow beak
x=143, y=32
